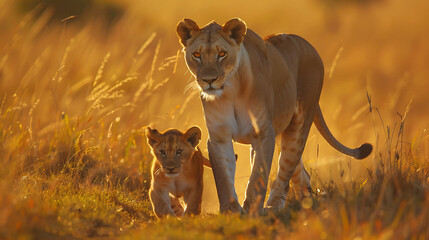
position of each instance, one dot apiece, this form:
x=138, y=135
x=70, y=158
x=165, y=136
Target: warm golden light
x=80, y=81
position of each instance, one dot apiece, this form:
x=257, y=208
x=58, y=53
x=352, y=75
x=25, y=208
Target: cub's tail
x=204, y=160
x=359, y=153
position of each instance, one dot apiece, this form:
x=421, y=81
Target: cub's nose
x=209, y=80
x=170, y=168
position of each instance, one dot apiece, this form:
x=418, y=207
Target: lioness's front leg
x=161, y=203
x=222, y=159
x=263, y=148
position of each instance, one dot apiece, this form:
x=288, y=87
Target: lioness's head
x=172, y=148
x=211, y=52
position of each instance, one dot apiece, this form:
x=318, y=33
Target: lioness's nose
x=170, y=168
x=209, y=80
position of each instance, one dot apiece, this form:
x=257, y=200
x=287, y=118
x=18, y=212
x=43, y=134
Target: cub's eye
x=162, y=152
x=196, y=54
x=222, y=54
x=179, y=151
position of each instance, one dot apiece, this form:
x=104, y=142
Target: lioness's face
x=212, y=52
x=172, y=148
x=211, y=59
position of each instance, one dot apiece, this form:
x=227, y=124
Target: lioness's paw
x=272, y=210
x=232, y=207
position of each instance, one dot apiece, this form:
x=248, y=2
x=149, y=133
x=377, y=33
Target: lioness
x=252, y=90
x=177, y=171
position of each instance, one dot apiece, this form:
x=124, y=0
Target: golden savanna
x=80, y=81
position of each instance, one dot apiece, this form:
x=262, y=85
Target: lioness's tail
x=359, y=153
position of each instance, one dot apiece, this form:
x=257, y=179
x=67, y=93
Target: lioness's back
x=303, y=61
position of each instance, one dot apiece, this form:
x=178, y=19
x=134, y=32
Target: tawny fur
x=177, y=171
x=254, y=91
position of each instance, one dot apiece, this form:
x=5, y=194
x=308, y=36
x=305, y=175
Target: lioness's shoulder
x=252, y=41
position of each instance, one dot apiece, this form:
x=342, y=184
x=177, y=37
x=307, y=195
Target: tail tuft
x=363, y=151
x=358, y=153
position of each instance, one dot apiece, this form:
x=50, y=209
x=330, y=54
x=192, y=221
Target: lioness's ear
x=185, y=29
x=153, y=136
x=193, y=135
x=235, y=29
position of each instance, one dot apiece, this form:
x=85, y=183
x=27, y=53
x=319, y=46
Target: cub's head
x=172, y=148
x=212, y=52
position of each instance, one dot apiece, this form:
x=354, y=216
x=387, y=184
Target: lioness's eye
x=179, y=151
x=196, y=54
x=222, y=54
x=162, y=152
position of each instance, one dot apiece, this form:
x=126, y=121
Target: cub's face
x=211, y=53
x=172, y=148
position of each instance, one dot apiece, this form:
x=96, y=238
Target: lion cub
x=177, y=171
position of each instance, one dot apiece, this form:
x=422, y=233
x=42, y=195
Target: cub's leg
x=193, y=199
x=160, y=203
x=176, y=206
x=292, y=145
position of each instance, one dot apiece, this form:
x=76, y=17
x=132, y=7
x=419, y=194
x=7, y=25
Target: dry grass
x=78, y=86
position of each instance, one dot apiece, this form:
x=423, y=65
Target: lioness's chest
x=245, y=123
x=244, y=119
x=230, y=118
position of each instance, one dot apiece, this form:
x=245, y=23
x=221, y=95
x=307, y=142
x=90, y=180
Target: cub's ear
x=235, y=29
x=153, y=136
x=185, y=29
x=193, y=135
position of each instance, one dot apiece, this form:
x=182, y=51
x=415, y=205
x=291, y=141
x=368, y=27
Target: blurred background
x=92, y=74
